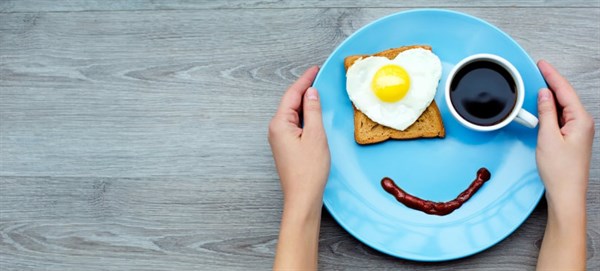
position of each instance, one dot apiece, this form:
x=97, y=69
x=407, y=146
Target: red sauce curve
x=432, y=207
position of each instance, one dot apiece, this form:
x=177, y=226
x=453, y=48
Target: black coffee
x=483, y=93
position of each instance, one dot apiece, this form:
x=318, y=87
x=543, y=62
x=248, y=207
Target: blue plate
x=434, y=169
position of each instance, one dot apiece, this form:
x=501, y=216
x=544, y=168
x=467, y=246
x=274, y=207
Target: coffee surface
x=483, y=93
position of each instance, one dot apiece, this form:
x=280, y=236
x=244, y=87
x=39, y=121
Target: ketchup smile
x=431, y=207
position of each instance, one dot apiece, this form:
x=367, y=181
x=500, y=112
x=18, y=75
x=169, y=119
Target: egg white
x=424, y=69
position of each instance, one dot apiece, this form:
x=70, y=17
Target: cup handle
x=526, y=119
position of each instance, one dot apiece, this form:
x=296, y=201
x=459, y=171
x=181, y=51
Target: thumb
x=313, y=121
x=547, y=114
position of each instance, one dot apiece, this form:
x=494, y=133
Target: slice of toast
x=366, y=131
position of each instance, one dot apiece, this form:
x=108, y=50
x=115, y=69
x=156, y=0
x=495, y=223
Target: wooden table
x=133, y=133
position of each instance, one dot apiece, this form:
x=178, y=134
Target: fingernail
x=312, y=94
x=544, y=95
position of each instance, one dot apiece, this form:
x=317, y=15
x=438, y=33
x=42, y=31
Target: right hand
x=565, y=137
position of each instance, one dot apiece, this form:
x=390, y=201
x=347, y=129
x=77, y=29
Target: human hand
x=565, y=139
x=301, y=153
x=563, y=156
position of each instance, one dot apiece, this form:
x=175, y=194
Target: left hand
x=301, y=153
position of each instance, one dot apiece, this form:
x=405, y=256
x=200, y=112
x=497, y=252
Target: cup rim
x=506, y=65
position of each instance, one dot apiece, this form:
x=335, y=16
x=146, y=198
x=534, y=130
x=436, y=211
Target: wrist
x=567, y=194
x=567, y=213
x=302, y=210
x=566, y=202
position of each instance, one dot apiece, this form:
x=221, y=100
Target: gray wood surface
x=133, y=133
x=113, y=5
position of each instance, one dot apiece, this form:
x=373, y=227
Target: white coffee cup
x=518, y=114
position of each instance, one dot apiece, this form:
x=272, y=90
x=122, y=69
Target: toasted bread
x=366, y=131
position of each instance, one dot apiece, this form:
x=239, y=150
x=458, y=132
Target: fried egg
x=395, y=92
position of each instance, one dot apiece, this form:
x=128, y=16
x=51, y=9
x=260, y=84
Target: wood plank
x=137, y=223
x=137, y=140
x=112, y=5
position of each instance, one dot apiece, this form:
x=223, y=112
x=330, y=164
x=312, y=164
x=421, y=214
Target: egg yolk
x=390, y=83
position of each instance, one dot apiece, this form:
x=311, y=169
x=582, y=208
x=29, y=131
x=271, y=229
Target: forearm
x=298, y=244
x=564, y=244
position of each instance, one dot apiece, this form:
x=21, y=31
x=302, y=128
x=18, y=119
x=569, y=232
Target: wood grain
x=133, y=135
x=116, y=5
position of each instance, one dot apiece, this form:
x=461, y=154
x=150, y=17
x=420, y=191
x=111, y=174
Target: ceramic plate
x=433, y=169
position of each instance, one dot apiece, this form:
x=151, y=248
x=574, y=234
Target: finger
x=565, y=94
x=313, y=122
x=547, y=113
x=292, y=99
